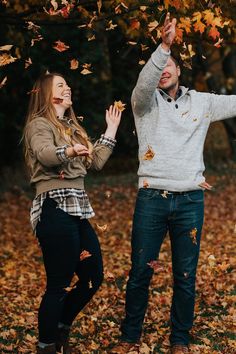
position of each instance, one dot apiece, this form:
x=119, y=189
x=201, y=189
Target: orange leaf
x=74, y=64
x=60, y=46
x=149, y=154
x=134, y=24
x=119, y=105
x=214, y=33
x=84, y=254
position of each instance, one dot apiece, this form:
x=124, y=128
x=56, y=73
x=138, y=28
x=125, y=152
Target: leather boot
x=62, y=341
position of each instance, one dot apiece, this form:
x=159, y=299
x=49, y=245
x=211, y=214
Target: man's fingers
x=167, y=19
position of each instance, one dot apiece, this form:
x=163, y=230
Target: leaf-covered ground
x=96, y=329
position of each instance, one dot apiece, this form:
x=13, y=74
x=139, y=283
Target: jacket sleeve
x=40, y=141
x=102, y=151
x=222, y=107
x=144, y=91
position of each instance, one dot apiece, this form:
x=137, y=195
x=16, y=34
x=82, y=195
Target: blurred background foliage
x=115, y=38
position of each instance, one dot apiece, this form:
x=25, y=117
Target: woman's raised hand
x=113, y=117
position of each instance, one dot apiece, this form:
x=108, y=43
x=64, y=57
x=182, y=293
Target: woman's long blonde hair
x=40, y=105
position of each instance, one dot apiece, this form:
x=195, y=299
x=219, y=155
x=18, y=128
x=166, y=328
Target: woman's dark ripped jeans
x=62, y=238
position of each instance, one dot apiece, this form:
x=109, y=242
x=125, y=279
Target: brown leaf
x=149, y=154
x=60, y=46
x=84, y=254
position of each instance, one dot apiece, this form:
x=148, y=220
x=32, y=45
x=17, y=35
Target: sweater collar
x=180, y=93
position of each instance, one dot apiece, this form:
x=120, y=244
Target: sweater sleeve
x=144, y=91
x=40, y=139
x=222, y=106
x=101, y=152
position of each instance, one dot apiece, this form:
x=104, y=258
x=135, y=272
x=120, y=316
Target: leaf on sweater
x=145, y=184
x=149, y=154
x=193, y=235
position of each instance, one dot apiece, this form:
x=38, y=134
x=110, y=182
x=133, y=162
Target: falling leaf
x=86, y=69
x=60, y=46
x=111, y=26
x=3, y=82
x=152, y=25
x=142, y=62
x=6, y=59
x=119, y=105
x=193, y=235
x=101, y=228
x=132, y=43
x=92, y=38
x=218, y=43
x=149, y=154
x=84, y=254
x=6, y=48
x=90, y=284
x=36, y=39
x=134, y=24
x=54, y=4
x=74, y=64
x=28, y=62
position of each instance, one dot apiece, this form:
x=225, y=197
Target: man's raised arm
x=144, y=91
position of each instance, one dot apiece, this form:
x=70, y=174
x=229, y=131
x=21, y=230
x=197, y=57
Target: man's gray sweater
x=174, y=130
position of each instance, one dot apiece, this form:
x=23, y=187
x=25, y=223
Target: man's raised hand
x=168, y=32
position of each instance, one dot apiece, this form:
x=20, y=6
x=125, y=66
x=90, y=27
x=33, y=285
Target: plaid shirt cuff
x=105, y=140
x=61, y=153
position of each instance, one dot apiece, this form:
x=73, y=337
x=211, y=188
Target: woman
x=58, y=153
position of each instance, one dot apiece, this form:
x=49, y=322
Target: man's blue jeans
x=155, y=214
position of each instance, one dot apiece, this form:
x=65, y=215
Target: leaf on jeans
x=90, y=284
x=3, y=82
x=84, y=254
x=149, y=154
x=193, y=235
x=164, y=194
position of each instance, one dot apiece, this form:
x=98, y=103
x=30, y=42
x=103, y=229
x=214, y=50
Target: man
x=171, y=123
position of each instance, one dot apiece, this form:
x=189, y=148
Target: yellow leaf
x=3, y=82
x=149, y=154
x=6, y=59
x=119, y=105
x=6, y=48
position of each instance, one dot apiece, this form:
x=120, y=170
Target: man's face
x=170, y=76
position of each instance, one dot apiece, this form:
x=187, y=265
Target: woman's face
x=61, y=92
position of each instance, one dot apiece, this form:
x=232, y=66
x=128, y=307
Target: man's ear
x=178, y=70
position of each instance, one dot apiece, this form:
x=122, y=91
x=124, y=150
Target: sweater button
x=176, y=106
x=169, y=99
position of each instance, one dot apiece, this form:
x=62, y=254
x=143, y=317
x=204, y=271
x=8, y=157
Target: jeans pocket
x=195, y=196
x=146, y=193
